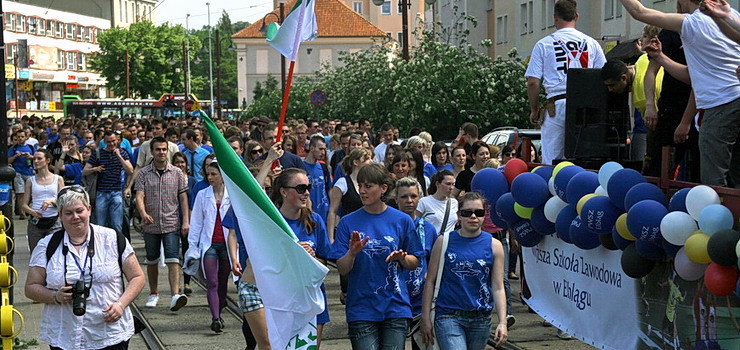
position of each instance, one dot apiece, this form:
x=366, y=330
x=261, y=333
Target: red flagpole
x=286, y=97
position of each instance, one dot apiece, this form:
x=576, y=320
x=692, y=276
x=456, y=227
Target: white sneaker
x=563, y=335
x=152, y=300
x=178, y=301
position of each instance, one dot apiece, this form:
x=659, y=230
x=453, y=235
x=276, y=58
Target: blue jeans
x=507, y=285
x=459, y=332
x=389, y=334
x=109, y=209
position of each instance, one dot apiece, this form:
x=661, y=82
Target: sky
x=175, y=11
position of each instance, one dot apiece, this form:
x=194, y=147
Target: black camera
x=80, y=292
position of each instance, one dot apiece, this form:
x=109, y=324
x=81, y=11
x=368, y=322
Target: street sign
x=191, y=105
x=318, y=98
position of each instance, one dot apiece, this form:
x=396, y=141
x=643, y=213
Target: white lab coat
x=203, y=220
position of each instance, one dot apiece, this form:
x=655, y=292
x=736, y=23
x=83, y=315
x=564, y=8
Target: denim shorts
x=171, y=242
x=249, y=297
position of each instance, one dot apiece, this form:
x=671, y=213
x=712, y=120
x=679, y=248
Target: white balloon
x=551, y=186
x=737, y=249
x=601, y=191
x=606, y=171
x=553, y=206
x=677, y=226
x=699, y=198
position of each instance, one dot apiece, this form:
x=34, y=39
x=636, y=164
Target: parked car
x=503, y=136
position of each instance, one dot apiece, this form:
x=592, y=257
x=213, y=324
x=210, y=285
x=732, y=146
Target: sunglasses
x=301, y=189
x=510, y=154
x=256, y=151
x=73, y=188
x=466, y=213
x=268, y=188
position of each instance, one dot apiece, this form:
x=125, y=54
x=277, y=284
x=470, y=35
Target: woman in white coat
x=209, y=236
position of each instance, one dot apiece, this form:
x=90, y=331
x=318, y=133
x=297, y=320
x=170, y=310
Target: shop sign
x=83, y=79
x=40, y=76
x=9, y=71
x=26, y=74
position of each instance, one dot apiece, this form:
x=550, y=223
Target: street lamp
x=263, y=30
x=404, y=5
x=210, y=57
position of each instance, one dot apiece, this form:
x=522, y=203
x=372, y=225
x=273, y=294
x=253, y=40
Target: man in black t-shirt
x=56, y=147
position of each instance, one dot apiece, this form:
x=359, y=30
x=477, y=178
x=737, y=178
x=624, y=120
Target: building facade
x=387, y=16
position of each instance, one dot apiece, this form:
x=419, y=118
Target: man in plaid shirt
x=161, y=195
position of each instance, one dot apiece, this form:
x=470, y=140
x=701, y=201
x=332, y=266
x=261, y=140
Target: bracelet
x=54, y=295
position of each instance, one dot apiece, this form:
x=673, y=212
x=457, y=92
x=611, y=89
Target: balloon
x=635, y=265
x=649, y=250
x=608, y=242
x=715, y=217
x=513, y=168
x=642, y=192
x=530, y=190
x=737, y=288
x=643, y=220
x=737, y=250
x=599, y=215
x=699, y=198
x=687, y=269
x=522, y=212
x=553, y=206
x=606, y=171
x=581, y=237
x=505, y=208
x=562, y=224
x=526, y=235
x=620, y=183
x=621, y=227
x=490, y=183
x=583, y=200
x=560, y=166
x=720, y=280
x=544, y=171
x=677, y=226
x=497, y=220
x=670, y=249
x=678, y=201
x=551, y=186
x=696, y=248
x=619, y=240
x=601, y=191
x=563, y=178
x=540, y=223
x=580, y=185
x=721, y=247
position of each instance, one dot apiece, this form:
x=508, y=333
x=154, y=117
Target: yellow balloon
x=696, y=248
x=622, y=228
x=583, y=200
x=523, y=212
x=560, y=166
x=535, y=168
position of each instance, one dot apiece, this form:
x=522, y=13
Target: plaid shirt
x=161, y=197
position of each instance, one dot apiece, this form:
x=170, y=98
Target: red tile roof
x=333, y=17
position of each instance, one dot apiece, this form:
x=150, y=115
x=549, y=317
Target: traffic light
x=169, y=101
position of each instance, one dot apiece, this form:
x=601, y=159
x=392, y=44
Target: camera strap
x=89, y=256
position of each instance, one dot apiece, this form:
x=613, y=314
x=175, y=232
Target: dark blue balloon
x=620, y=183
x=526, y=235
x=540, y=223
x=670, y=249
x=649, y=250
x=563, y=178
x=581, y=236
x=600, y=215
x=580, y=185
x=544, y=171
x=737, y=288
x=641, y=192
x=497, y=220
x=562, y=223
x=643, y=220
x=619, y=240
x=505, y=208
x=607, y=241
x=530, y=190
x=678, y=201
x=490, y=183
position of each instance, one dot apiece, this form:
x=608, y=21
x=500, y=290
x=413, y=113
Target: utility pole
x=185, y=71
x=210, y=57
x=218, y=73
x=128, y=76
x=15, y=84
x=405, y=4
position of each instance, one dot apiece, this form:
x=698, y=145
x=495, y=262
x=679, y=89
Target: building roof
x=333, y=17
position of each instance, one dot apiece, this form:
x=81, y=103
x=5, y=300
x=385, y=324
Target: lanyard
x=89, y=255
x=420, y=232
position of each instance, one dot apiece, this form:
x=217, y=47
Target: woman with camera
x=78, y=273
x=39, y=199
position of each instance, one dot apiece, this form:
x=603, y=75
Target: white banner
x=583, y=292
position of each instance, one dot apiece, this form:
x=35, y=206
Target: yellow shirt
x=638, y=87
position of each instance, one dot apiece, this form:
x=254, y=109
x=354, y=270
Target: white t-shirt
x=712, y=59
x=550, y=62
x=380, y=151
x=341, y=184
x=434, y=212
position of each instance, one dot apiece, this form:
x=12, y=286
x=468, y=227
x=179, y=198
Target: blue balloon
x=526, y=235
x=540, y=222
x=490, y=183
x=620, y=183
x=580, y=185
x=505, y=209
x=670, y=249
x=563, y=178
x=530, y=190
x=678, y=201
x=545, y=172
x=641, y=192
x=649, y=250
x=562, y=223
x=600, y=215
x=737, y=288
x=715, y=218
x=619, y=240
x=643, y=220
x=497, y=220
x=581, y=236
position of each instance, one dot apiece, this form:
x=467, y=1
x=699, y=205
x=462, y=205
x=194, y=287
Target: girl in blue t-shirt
x=440, y=156
x=291, y=191
x=372, y=244
x=472, y=283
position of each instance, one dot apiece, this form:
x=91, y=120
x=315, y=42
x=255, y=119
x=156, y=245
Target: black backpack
x=56, y=239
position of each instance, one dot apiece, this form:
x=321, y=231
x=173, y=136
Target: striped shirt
x=111, y=178
x=161, y=192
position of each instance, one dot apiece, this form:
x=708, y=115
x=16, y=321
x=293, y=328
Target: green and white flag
x=298, y=26
x=288, y=278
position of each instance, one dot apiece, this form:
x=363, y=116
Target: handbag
x=46, y=223
x=418, y=338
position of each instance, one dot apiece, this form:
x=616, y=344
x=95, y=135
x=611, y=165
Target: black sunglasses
x=255, y=151
x=73, y=188
x=510, y=154
x=301, y=189
x=466, y=213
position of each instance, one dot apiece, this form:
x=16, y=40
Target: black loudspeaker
x=596, y=121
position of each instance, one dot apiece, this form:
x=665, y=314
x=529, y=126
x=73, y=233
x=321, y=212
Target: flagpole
x=286, y=97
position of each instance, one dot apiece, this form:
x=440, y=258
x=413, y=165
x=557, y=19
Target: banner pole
x=286, y=97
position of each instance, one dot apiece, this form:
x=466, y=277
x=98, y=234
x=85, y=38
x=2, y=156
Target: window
x=32, y=25
x=80, y=32
x=502, y=22
x=523, y=19
x=261, y=62
x=10, y=54
x=60, y=59
x=125, y=9
x=21, y=24
x=385, y=9
x=88, y=34
x=41, y=27
x=9, y=21
x=98, y=32
x=81, y=61
x=608, y=9
x=71, y=60
x=60, y=30
x=619, y=10
x=530, y=16
x=357, y=6
x=399, y=35
x=120, y=13
x=50, y=28
x=71, y=31
x=543, y=12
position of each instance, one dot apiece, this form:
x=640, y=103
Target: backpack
x=327, y=176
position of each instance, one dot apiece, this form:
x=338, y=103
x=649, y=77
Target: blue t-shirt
x=135, y=155
x=74, y=171
x=208, y=148
x=640, y=127
x=22, y=165
x=445, y=167
x=466, y=276
x=429, y=169
x=319, y=196
x=288, y=160
x=376, y=290
x=415, y=278
x=51, y=138
x=338, y=174
x=199, y=186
